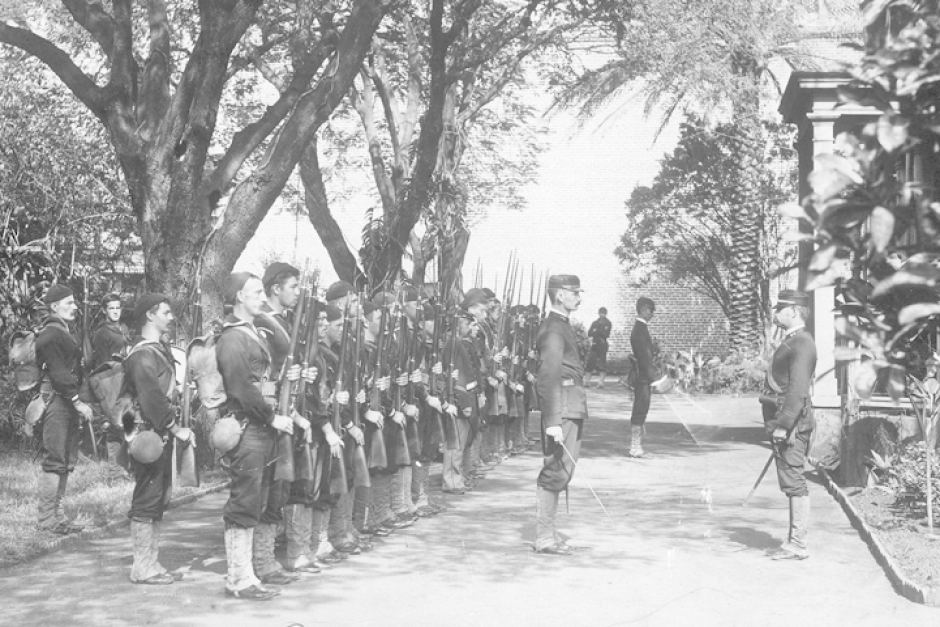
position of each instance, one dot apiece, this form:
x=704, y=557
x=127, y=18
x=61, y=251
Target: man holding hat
x=788, y=413
x=245, y=365
x=59, y=357
x=150, y=379
x=560, y=385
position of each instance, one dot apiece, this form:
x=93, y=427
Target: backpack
x=22, y=351
x=204, y=370
x=107, y=385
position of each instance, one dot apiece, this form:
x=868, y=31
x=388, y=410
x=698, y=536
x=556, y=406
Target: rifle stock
x=305, y=462
x=284, y=467
x=375, y=439
x=338, y=479
x=395, y=440
x=356, y=454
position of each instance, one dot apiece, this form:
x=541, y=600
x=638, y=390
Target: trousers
x=252, y=472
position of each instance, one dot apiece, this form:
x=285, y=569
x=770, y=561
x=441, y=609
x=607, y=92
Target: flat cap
x=333, y=313
x=276, y=272
x=338, y=290
x=474, y=296
x=793, y=297
x=233, y=285
x=490, y=294
x=565, y=282
x=147, y=302
x=57, y=292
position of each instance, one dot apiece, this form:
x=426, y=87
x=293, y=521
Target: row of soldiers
x=334, y=412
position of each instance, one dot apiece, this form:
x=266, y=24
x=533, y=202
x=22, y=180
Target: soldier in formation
x=333, y=412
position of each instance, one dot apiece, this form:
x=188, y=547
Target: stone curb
x=69, y=541
x=902, y=584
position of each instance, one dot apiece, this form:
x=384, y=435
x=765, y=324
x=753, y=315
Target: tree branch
x=95, y=20
x=364, y=101
x=155, y=91
x=60, y=62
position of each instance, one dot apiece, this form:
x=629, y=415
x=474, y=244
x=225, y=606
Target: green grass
x=95, y=496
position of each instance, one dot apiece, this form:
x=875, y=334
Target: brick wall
x=684, y=318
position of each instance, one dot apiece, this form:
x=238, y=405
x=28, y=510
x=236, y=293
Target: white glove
x=455, y=374
x=361, y=397
x=504, y=352
x=530, y=377
x=375, y=417
x=410, y=410
x=398, y=418
x=310, y=374
x=334, y=441
x=401, y=380
x=185, y=435
x=555, y=433
x=518, y=387
x=451, y=409
x=492, y=382
x=481, y=400
x=383, y=383
x=425, y=378
x=293, y=373
x=283, y=423
x=341, y=397
x=417, y=376
x=300, y=421
x=501, y=375
x=438, y=368
x=84, y=410
x=357, y=435
x=434, y=403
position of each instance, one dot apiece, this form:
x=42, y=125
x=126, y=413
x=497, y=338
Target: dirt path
x=677, y=549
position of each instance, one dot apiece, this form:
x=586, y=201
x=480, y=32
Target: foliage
x=906, y=475
x=876, y=220
x=741, y=372
x=681, y=224
x=63, y=208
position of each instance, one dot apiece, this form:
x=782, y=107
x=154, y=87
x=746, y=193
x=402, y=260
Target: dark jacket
x=560, y=371
x=109, y=339
x=642, y=345
x=275, y=329
x=244, y=362
x=791, y=377
x=599, y=332
x=59, y=356
x=150, y=378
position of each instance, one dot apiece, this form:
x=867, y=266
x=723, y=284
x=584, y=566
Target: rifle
x=413, y=439
x=306, y=464
x=433, y=357
x=356, y=454
x=188, y=473
x=85, y=390
x=395, y=441
x=338, y=479
x=284, y=467
x=375, y=439
x=452, y=441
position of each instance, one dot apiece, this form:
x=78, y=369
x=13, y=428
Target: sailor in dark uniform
x=788, y=413
x=560, y=385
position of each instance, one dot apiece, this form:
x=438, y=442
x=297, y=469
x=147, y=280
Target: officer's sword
x=596, y=498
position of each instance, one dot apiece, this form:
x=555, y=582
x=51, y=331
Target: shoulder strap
x=254, y=336
x=141, y=345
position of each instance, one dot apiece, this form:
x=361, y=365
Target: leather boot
x=381, y=497
x=48, y=490
x=146, y=569
x=546, y=506
x=266, y=566
x=636, y=441
x=298, y=519
x=240, y=581
x=795, y=547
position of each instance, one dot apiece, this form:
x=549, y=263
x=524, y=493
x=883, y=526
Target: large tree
x=154, y=76
x=681, y=225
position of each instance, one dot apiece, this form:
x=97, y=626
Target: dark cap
x=110, y=297
x=333, y=313
x=277, y=272
x=338, y=290
x=490, y=294
x=147, y=302
x=466, y=315
x=564, y=281
x=233, y=285
x=474, y=296
x=57, y=292
x=793, y=297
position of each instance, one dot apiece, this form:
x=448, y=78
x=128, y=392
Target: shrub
x=741, y=372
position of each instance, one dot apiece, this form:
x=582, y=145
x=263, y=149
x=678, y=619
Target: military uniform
x=150, y=379
x=59, y=357
x=642, y=345
x=787, y=404
x=598, y=332
x=245, y=365
x=110, y=340
x=560, y=384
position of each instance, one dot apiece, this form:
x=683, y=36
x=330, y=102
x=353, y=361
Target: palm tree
x=716, y=58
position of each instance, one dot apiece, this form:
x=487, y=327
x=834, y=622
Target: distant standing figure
x=599, y=332
x=788, y=413
x=642, y=345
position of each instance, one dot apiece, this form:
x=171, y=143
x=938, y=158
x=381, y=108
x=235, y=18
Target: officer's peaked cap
x=565, y=281
x=793, y=297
